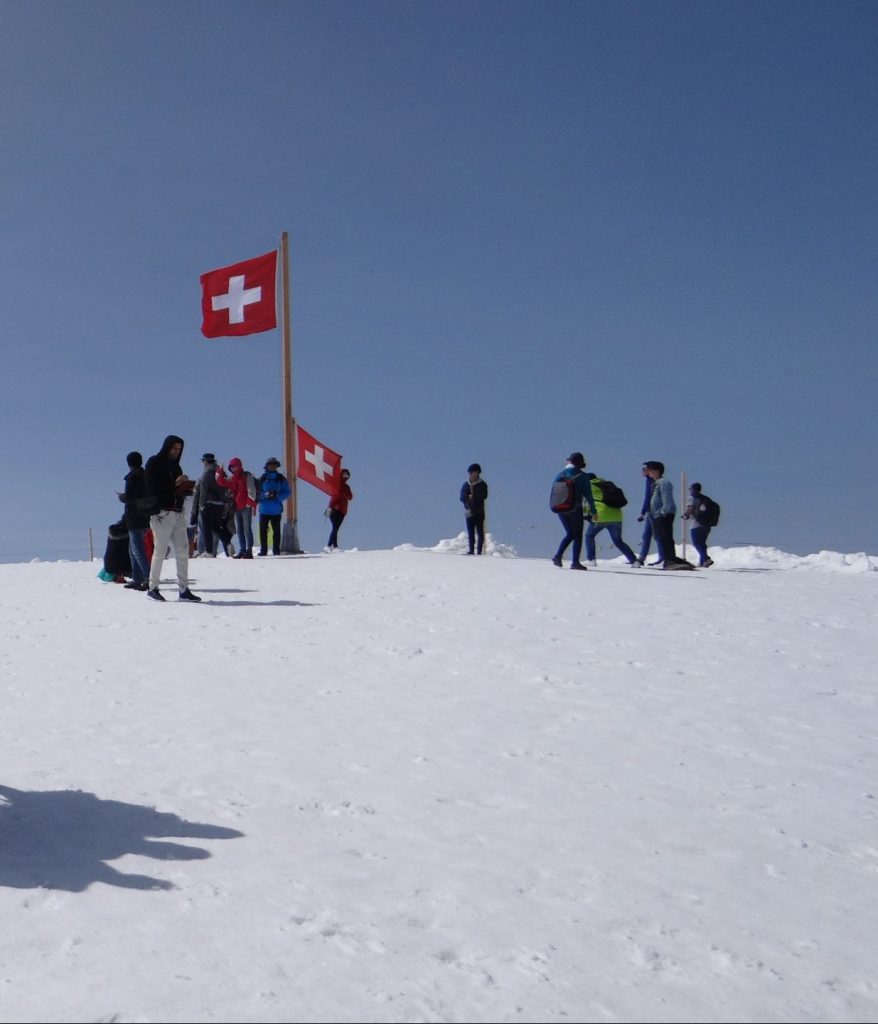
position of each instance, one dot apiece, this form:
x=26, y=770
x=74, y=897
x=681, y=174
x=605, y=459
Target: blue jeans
x=244, y=528
x=137, y=553
x=615, y=531
x=572, y=523
x=698, y=535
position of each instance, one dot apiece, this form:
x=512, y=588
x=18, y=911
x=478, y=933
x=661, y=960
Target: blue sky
x=639, y=230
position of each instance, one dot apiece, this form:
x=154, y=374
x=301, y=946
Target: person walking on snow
x=609, y=519
x=572, y=520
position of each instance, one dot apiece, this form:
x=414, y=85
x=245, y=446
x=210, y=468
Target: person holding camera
x=274, y=489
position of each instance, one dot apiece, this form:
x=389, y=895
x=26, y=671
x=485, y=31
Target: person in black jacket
x=474, y=494
x=137, y=521
x=168, y=486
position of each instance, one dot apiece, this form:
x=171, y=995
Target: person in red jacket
x=243, y=487
x=338, y=508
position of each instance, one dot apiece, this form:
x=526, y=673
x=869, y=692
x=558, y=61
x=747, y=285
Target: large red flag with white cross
x=317, y=464
x=240, y=299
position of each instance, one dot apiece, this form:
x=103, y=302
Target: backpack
x=611, y=495
x=252, y=486
x=563, y=495
x=706, y=511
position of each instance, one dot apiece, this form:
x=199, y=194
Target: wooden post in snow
x=289, y=533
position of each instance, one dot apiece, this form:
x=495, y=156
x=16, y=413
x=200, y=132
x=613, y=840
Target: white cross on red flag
x=240, y=299
x=317, y=464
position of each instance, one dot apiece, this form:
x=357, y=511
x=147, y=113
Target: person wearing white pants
x=168, y=486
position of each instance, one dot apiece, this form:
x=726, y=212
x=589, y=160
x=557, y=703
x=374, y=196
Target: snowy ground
x=411, y=786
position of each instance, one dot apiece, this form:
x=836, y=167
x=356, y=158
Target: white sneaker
x=593, y=562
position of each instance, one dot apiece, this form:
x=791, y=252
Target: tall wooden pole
x=289, y=536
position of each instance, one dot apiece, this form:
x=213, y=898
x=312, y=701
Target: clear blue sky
x=640, y=230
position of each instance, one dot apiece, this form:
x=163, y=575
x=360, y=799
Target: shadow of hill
x=63, y=839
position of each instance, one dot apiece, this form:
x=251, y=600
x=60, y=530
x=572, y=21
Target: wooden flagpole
x=289, y=536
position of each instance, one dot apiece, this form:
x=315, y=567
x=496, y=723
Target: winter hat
x=577, y=459
x=474, y=468
x=235, y=462
x=134, y=459
x=208, y=457
x=271, y=462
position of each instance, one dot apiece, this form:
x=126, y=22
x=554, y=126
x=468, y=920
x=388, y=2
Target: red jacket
x=339, y=500
x=237, y=484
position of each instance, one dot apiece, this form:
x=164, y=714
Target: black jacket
x=136, y=501
x=161, y=475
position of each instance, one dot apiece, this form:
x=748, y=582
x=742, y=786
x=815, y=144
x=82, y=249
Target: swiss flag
x=240, y=299
x=316, y=463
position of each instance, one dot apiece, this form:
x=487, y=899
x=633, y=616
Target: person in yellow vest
x=609, y=518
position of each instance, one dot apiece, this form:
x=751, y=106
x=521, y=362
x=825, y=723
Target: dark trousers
x=213, y=521
x=336, y=518
x=475, y=528
x=699, y=535
x=663, y=531
x=264, y=521
x=573, y=524
x=646, y=540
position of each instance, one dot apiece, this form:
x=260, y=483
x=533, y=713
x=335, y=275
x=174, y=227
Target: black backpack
x=706, y=511
x=611, y=495
x=563, y=495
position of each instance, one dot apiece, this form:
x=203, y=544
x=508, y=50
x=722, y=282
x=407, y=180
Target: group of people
x=591, y=499
x=165, y=509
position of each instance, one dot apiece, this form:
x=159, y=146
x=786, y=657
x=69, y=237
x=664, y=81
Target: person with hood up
x=243, y=488
x=274, y=489
x=168, y=486
x=572, y=518
x=338, y=508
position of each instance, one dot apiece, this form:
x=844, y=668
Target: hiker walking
x=609, y=501
x=570, y=491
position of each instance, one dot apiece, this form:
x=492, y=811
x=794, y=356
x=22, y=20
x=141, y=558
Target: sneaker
x=154, y=594
x=658, y=561
x=187, y=595
x=592, y=561
x=706, y=563
x=637, y=563
x=557, y=561
x=578, y=565
x=262, y=554
x=144, y=586
x=131, y=585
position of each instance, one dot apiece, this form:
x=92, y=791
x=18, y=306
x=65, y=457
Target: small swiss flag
x=240, y=299
x=317, y=464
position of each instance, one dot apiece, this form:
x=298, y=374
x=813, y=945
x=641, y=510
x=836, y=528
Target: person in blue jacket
x=274, y=489
x=573, y=520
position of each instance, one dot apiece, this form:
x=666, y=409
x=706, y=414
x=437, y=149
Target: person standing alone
x=338, y=508
x=474, y=494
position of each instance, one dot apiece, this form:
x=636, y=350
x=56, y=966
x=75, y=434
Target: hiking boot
x=187, y=595
x=578, y=565
x=557, y=561
x=154, y=594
